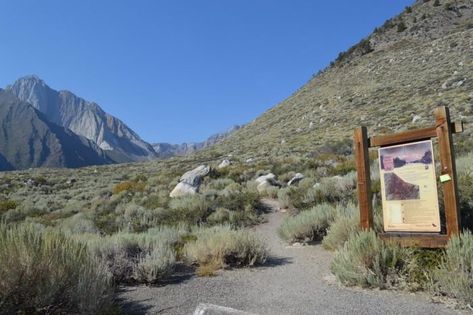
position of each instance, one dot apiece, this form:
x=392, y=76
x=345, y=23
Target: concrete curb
x=211, y=309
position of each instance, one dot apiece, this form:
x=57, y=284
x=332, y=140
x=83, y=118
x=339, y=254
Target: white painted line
x=211, y=309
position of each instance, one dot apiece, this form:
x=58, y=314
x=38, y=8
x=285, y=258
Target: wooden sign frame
x=442, y=130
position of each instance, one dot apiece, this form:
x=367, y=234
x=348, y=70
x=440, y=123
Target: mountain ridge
x=84, y=118
x=29, y=139
x=391, y=81
x=167, y=150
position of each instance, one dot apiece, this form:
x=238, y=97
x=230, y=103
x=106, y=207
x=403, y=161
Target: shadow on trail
x=277, y=261
x=264, y=208
x=133, y=307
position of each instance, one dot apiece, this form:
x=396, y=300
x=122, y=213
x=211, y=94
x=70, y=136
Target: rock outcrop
x=296, y=179
x=189, y=183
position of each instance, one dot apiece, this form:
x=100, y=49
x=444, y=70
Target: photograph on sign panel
x=409, y=188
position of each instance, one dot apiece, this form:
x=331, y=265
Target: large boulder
x=266, y=178
x=183, y=189
x=224, y=163
x=189, y=183
x=266, y=181
x=296, y=179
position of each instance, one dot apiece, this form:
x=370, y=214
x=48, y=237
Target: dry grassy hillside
x=390, y=81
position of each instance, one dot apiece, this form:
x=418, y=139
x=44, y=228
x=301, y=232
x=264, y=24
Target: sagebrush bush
x=454, y=277
x=329, y=189
x=156, y=265
x=284, y=197
x=345, y=224
x=308, y=225
x=221, y=246
x=144, y=257
x=43, y=271
x=366, y=261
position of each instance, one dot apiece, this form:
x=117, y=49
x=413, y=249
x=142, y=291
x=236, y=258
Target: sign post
x=408, y=180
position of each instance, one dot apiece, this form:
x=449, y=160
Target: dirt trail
x=296, y=280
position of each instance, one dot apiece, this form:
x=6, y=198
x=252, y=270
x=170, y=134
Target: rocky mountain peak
x=84, y=118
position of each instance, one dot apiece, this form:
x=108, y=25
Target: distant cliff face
x=167, y=150
x=84, y=118
x=29, y=139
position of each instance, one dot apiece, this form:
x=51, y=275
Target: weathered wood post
x=363, y=177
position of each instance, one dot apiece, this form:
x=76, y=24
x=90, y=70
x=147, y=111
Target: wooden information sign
x=409, y=183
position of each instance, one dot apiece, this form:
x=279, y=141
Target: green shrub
x=47, y=272
x=401, y=27
x=284, y=197
x=345, y=225
x=367, y=261
x=6, y=205
x=219, y=216
x=421, y=266
x=221, y=246
x=309, y=225
x=331, y=189
x=454, y=277
x=192, y=209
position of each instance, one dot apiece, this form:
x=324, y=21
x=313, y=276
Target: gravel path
x=296, y=280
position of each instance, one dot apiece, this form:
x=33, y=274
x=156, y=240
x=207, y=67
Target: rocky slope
x=166, y=150
x=84, y=118
x=391, y=80
x=29, y=139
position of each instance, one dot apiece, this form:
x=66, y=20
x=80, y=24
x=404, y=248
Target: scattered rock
x=416, y=118
x=189, y=183
x=296, y=179
x=249, y=160
x=224, y=163
x=460, y=83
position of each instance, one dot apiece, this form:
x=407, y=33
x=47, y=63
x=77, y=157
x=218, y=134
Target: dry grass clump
x=454, y=276
x=308, y=225
x=132, y=186
x=43, y=271
x=367, y=261
x=221, y=246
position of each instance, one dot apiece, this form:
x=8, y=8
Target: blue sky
x=178, y=71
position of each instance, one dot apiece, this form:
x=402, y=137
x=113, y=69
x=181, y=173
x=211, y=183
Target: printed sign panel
x=409, y=188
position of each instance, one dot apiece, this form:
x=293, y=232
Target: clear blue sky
x=175, y=70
